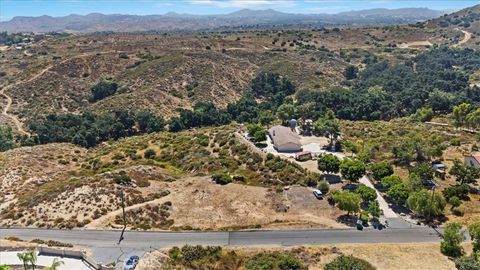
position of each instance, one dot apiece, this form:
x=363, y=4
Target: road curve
x=467, y=36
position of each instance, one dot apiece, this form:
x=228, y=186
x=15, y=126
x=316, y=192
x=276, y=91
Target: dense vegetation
x=89, y=129
x=198, y=257
x=103, y=89
x=6, y=138
x=432, y=82
x=437, y=79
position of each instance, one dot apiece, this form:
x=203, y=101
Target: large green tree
x=452, y=239
x=424, y=204
x=367, y=194
x=329, y=163
x=285, y=112
x=390, y=181
x=474, y=231
x=381, y=170
x=460, y=113
x=328, y=126
x=347, y=201
x=103, y=89
x=398, y=193
x=352, y=169
x=7, y=141
x=464, y=174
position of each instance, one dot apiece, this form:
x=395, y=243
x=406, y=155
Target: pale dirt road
x=465, y=39
x=18, y=124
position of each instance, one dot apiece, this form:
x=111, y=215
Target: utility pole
x=122, y=197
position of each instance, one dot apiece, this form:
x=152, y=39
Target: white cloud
x=246, y=3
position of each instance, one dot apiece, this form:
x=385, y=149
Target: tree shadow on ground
x=349, y=220
x=332, y=178
x=350, y=186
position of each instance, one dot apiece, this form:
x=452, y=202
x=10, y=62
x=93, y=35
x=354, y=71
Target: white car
x=318, y=194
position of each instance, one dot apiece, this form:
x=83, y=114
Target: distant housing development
x=285, y=139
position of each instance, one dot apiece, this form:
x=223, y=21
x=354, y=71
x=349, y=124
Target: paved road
x=105, y=248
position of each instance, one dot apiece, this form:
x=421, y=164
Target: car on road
x=318, y=194
x=131, y=263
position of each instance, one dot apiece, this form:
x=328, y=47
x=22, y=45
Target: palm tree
x=23, y=256
x=55, y=264
x=32, y=256
x=28, y=258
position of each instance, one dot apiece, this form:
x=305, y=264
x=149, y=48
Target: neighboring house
x=301, y=156
x=473, y=159
x=285, y=139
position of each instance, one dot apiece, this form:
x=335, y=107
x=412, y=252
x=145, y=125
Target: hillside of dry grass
x=64, y=186
x=164, y=72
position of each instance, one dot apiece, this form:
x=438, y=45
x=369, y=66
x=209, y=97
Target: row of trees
x=351, y=169
x=465, y=115
x=89, y=129
x=410, y=193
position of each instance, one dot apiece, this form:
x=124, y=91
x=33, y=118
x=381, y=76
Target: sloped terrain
x=64, y=186
x=155, y=73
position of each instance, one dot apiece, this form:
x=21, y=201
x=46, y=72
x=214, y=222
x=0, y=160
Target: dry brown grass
x=405, y=256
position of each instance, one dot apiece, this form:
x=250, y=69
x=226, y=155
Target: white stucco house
x=285, y=139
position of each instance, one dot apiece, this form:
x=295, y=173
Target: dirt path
x=18, y=124
x=415, y=44
x=465, y=39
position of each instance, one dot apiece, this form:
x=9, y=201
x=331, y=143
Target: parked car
x=359, y=225
x=429, y=184
x=318, y=194
x=131, y=263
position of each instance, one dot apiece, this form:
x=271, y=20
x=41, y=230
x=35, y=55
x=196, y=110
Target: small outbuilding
x=473, y=159
x=285, y=139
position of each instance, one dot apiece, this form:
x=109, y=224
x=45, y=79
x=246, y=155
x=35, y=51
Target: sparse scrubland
x=157, y=121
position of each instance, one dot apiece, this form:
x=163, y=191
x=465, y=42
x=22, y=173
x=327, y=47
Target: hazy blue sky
x=12, y=8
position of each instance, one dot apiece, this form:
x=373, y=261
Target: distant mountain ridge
x=243, y=18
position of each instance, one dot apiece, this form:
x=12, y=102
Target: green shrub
x=399, y=193
x=454, y=201
x=455, y=142
x=460, y=191
x=390, y=181
x=367, y=194
x=190, y=254
x=381, y=170
x=122, y=178
x=324, y=186
x=452, y=239
x=344, y=262
x=364, y=217
x=274, y=261
x=149, y=154
x=471, y=262
x=103, y=89
x=222, y=179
